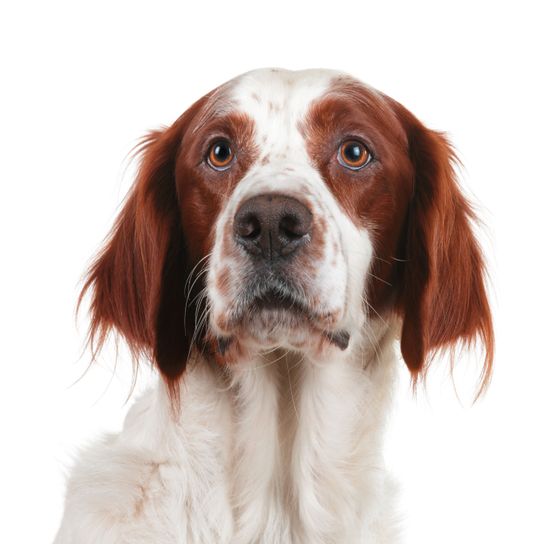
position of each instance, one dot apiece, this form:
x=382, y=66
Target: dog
x=282, y=238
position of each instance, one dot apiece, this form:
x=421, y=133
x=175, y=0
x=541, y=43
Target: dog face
x=286, y=209
x=288, y=264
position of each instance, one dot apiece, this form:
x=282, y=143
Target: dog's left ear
x=442, y=297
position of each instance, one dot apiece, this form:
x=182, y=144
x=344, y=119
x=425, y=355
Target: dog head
x=286, y=209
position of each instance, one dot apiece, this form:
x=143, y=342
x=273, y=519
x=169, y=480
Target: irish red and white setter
x=282, y=238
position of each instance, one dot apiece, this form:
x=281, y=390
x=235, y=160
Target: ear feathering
x=137, y=279
x=443, y=297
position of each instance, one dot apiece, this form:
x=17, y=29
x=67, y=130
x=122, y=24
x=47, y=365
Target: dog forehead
x=277, y=101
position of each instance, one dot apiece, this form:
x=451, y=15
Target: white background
x=82, y=81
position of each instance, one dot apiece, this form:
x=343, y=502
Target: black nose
x=272, y=226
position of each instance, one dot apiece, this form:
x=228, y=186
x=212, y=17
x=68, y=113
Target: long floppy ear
x=138, y=279
x=442, y=296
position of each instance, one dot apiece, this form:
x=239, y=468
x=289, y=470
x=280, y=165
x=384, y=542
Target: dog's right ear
x=138, y=279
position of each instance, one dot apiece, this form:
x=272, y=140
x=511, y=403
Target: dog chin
x=263, y=329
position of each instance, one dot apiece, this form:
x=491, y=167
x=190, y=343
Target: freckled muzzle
x=280, y=238
x=272, y=227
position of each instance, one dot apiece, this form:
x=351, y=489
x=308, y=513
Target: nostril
x=291, y=227
x=249, y=227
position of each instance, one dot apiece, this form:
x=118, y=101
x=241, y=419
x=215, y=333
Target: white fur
x=285, y=447
x=276, y=452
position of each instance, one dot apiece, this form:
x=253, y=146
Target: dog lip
x=274, y=299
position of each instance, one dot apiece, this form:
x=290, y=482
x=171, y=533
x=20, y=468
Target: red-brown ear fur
x=442, y=295
x=138, y=279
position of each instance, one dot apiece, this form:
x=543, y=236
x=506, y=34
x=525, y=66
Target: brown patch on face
x=311, y=257
x=265, y=160
x=203, y=190
x=377, y=196
x=222, y=322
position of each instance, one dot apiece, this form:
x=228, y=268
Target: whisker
x=365, y=301
x=189, y=303
x=197, y=277
x=380, y=279
x=193, y=271
x=201, y=321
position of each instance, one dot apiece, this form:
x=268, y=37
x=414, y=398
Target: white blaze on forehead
x=277, y=100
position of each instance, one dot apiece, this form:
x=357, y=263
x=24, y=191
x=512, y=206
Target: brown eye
x=220, y=155
x=353, y=155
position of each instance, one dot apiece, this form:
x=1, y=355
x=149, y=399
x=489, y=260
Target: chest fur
x=299, y=447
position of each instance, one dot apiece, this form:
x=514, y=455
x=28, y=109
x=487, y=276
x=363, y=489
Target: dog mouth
x=275, y=298
x=274, y=295
x=275, y=305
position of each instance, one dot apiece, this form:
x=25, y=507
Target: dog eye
x=353, y=155
x=220, y=155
